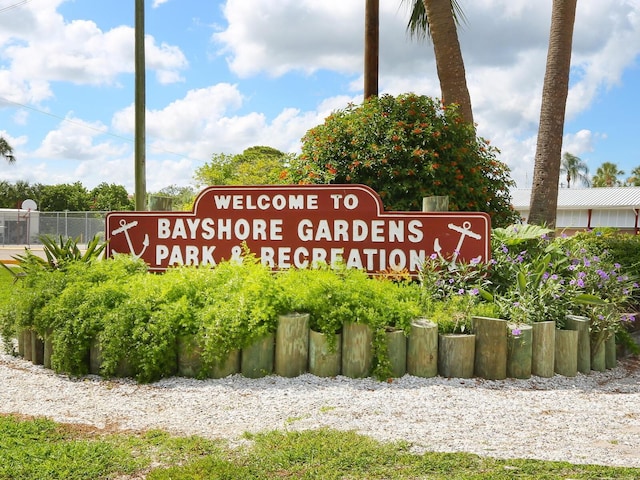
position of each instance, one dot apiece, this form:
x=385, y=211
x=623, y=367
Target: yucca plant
x=60, y=252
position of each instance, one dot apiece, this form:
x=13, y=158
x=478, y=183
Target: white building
x=587, y=208
x=18, y=226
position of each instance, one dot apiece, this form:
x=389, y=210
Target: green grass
x=41, y=449
x=6, y=286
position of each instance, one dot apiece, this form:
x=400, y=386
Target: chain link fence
x=23, y=227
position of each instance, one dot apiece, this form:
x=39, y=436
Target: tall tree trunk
x=546, y=173
x=140, y=107
x=449, y=62
x=371, y=47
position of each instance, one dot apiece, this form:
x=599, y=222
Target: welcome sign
x=296, y=226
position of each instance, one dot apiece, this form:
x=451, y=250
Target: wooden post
x=357, y=350
x=422, y=350
x=435, y=204
x=599, y=356
x=566, y=353
x=397, y=350
x=456, y=354
x=229, y=366
x=323, y=362
x=581, y=324
x=95, y=357
x=48, y=348
x=37, y=349
x=519, y=349
x=189, y=356
x=292, y=344
x=21, y=343
x=491, y=347
x=257, y=359
x=610, y=354
x=26, y=336
x=543, y=348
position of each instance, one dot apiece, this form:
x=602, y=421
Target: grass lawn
x=6, y=285
x=41, y=449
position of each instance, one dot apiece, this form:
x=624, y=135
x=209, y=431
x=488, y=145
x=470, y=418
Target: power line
x=15, y=5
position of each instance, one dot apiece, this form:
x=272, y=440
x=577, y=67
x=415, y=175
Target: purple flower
x=474, y=291
x=433, y=256
x=516, y=332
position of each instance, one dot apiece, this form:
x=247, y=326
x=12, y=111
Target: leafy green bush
x=406, y=148
x=334, y=296
x=243, y=304
x=78, y=315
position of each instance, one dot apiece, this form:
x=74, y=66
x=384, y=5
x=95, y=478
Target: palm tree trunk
x=449, y=62
x=544, y=194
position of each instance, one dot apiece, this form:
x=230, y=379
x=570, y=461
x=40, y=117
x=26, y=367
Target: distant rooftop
x=584, y=198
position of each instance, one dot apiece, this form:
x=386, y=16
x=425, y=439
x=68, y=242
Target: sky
x=223, y=76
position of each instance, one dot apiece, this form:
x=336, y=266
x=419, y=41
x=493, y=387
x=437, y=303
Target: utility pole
x=140, y=107
x=371, y=47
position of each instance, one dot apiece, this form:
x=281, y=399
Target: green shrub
x=243, y=304
x=406, y=148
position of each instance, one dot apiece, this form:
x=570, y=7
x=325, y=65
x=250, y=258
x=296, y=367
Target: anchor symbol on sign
x=124, y=228
x=464, y=231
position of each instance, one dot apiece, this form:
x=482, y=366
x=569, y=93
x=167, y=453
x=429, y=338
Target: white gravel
x=586, y=419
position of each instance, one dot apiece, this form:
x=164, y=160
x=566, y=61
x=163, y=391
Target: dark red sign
x=297, y=226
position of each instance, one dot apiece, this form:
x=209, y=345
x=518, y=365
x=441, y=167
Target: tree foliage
x=65, y=196
x=634, y=179
x=73, y=197
x=406, y=148
x=13, y=194
x=6, y=151
x=607, y=175
x=575, y=169
x=106, y=197
x=258, y=165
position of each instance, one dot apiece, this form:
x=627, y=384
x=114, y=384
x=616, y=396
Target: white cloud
x=75, y=139
x=47, y=48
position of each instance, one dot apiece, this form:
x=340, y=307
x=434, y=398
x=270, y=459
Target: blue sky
x=226, y=75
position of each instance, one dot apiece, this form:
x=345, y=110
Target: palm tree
x=544, y=194
x=634, y=179
x=607, y=175
x=6, y=151
x=437, y=19
x=575, y=169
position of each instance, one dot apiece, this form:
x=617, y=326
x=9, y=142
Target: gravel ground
x=586, y=419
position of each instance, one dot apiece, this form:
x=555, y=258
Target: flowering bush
x=450, y=293
x=598, y=275
x=406, y=148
